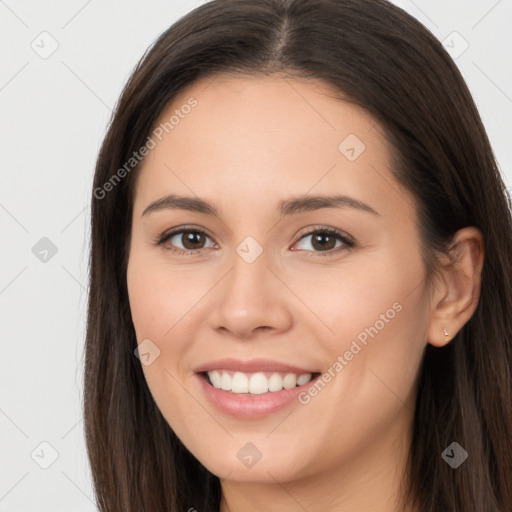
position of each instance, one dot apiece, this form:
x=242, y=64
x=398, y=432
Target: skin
x=248, y=144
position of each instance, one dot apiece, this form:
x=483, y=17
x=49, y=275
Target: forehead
x=267, y=136
x=293, y=109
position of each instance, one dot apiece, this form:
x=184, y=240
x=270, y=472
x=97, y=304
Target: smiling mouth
x=256, y=383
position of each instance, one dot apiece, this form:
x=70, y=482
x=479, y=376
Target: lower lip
x=251, y=406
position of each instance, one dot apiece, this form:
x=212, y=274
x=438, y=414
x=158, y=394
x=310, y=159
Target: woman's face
x=262, y=279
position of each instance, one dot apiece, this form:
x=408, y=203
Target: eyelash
x=349, y=242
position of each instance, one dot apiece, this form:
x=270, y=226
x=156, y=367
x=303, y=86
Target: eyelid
x=346, y=239
x=166, y=235
x=178, y=229
x=325, y=229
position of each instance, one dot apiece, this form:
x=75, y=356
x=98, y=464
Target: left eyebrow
x=311, y=203
x=286, y=207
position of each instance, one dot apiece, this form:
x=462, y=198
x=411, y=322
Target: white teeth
x=215, y=378
x=290, y=381
x=275, y=383
x=256, y=383
x=225, y=382
x=303, y=379
x=240, y=383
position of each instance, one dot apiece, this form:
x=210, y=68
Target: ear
x=458, y=290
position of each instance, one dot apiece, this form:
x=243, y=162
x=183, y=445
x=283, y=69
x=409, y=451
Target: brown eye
x=192, y=239
x=325, y=241
x=185, y=241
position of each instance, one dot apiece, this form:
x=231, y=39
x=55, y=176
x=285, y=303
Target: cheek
x=372, y=316
x=159, y=302
x=160, y=295
x=346, y=300
x=380, y=337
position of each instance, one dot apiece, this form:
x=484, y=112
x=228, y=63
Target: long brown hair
x=386, y=61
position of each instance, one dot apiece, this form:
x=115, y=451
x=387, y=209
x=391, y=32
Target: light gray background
x=53, y=116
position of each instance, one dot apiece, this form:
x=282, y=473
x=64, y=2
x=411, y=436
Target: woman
x=228, y=366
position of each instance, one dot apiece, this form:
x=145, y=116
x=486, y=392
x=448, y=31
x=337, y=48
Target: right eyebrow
x=175, y=202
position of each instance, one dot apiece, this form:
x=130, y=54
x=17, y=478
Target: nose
x=251, y=299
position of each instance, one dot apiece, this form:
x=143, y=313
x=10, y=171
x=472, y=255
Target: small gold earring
x=446, y=334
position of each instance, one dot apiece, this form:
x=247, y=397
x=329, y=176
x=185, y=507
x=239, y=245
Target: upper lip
x=253, y=365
